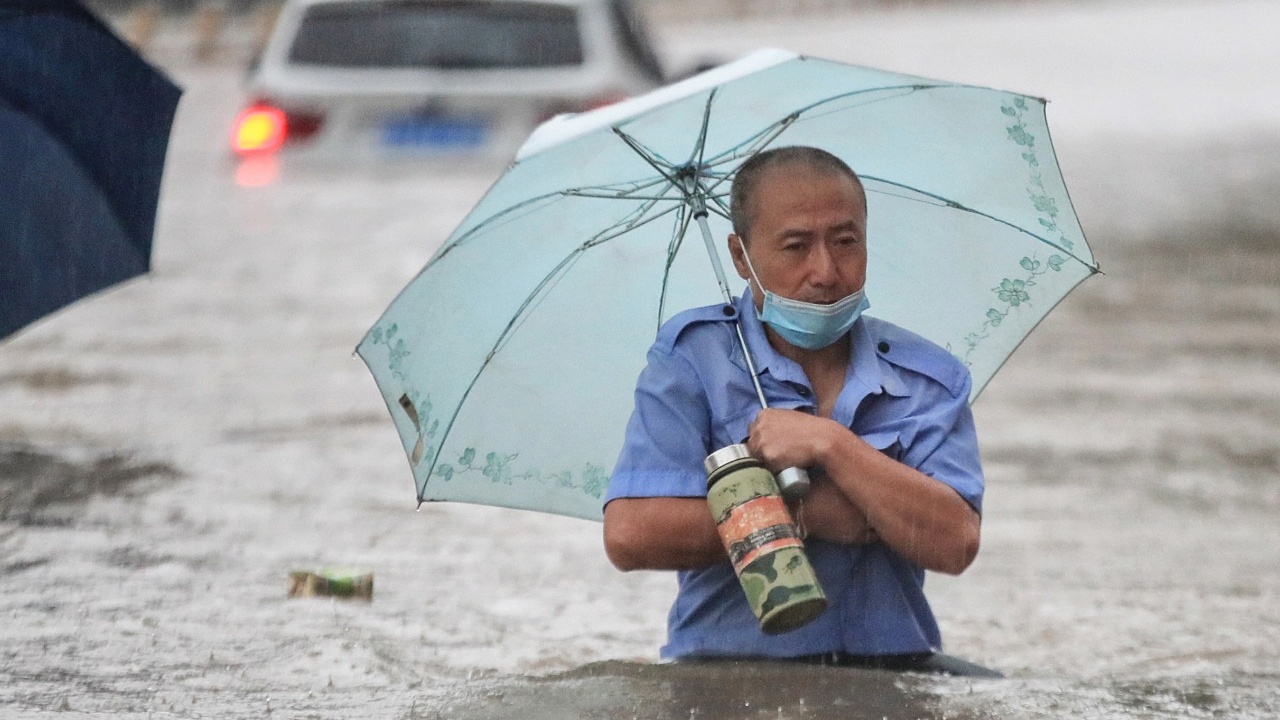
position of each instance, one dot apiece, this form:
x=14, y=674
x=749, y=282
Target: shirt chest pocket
x=888, y=442
x=737, y=428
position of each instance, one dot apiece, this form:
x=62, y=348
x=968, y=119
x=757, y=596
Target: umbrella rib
x=755, y=143
x=623, y=228
x=673, y=247
x=619, y=190
x=719, y=207
x=700, y=148
x=622, y=192
x=622, y=188
x=908, y=90
x=484, y=224
x=515, y=321
x=746, y=148
x=973, y=211
x=606, y=196
x=645, y=154
x=634, y=220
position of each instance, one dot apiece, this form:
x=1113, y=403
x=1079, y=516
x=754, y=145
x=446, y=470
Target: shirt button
x=804, y=391
x=883, y=347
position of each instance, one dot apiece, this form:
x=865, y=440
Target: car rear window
x=415, y=34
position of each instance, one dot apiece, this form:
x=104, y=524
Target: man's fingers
x=777, y=438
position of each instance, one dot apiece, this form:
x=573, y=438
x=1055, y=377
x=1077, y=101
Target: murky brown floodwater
x=171, y=450
x=703, y=691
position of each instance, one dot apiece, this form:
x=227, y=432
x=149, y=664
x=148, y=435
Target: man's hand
x=790, y=438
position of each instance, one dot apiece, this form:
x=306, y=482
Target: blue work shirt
x=903, y=395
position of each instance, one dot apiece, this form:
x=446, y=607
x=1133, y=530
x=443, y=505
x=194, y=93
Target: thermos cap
x=724, y=456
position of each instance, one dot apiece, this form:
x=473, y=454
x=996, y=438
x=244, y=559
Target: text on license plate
x=455, y=132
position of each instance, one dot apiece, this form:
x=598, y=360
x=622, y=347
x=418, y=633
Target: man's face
x=808, y=236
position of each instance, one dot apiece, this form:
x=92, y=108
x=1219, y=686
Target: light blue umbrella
x=508, y=363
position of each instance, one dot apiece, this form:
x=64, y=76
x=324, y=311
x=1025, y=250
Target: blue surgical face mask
x=809, y=325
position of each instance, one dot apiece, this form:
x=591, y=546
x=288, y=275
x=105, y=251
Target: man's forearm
x=665, y=533
x=921, y=518
x=826, y=513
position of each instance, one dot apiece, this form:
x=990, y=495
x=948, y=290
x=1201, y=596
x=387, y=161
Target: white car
x=380, y=79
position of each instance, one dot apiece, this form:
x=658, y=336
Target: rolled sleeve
x=668, y=434
x=945, y=446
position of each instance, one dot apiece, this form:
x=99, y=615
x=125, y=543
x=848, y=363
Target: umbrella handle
x=793, y=483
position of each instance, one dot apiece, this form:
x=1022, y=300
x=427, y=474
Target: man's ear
x=737, y=252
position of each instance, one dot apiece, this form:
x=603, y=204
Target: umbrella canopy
x=508, y=363
x=84, y=125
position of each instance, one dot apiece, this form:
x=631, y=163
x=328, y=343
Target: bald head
x=752, y=174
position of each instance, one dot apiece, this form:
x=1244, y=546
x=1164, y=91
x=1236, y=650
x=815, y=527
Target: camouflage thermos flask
x=763, y=542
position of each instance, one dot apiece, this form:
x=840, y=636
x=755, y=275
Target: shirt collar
x=765, y=357
x=867, y=373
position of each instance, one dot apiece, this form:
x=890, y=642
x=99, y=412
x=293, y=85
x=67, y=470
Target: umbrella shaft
x=751, y=366
x=700, y=214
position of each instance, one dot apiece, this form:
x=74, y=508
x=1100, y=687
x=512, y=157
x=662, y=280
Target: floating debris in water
x=331, y=583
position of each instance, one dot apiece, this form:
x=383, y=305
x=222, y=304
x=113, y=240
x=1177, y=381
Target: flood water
x=171, y=450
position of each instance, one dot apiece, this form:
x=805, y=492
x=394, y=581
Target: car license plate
x=455, y=132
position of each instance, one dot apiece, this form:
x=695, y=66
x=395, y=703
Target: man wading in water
x=878, y=415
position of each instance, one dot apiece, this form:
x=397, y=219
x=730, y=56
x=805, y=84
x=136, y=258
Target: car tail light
x=264, y=128
x=258, y=129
